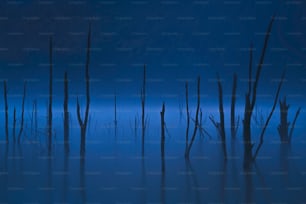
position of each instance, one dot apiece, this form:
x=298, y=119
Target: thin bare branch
x=293, y=123
x=269, y=117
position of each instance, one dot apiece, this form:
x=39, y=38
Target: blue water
x=113, y=170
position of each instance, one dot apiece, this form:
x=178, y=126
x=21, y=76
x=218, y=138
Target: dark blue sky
x=176, y=39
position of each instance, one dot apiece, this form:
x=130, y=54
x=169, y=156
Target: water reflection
x=31, y=174
x=82, y=178
x=193, y=176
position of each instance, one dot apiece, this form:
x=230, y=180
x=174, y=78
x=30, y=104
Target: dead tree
x=115, y=115
x=269, y=117
x=143, y=103
x=250, y=100
x=293, y=124
x=196, y=123
x=115, y=110
x=221, y=112
x=6, y=111
x=187, y=118
x=283, y=128
x=201, y=124
x=14, y=126
x=35, y=118
x=66, y=114
x=50, y=96
x=83, y=123
x=162, y=142
x=234, y=123
x=22, y=112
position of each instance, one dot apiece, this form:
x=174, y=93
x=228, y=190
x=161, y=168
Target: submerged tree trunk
x=196, y=123
x=35, y=118
x=115, y=110
x=6, y=112
x=250, y=100
x=143, y=115
x=269, y=117
x=50, y=98
x=234, y=124
x=66, y=114
x=221, y=111
x=293, y=124
x=162, y=143
x=283, y=127
x=188, y=119
x=14, y=126
x=284, y=124
x=83, y=123
x=247, y=157
x=22, y=112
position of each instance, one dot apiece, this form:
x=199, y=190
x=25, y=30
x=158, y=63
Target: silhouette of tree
x=283, y=127
x=234, y=121
x=196, y=123
x=50, y=96
x=6, y=111
x=83, y=123
x=143, y=103
x=162, y=143
x=22, y=112
x=66, y=114
x=250, y=100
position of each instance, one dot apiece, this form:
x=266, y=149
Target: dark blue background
x=178, y=40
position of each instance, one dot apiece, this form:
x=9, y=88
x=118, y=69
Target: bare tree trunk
x=250, y=100
x=50, y=97
x=6, y=111
x=293, y=124
x=221, y=111
x=14, y=126
x=234, y=124
x=283, y=127
x=22, y=112
x=66, y=114
x=83, y=124
x=115, y=109
x=247, y=134
x=196, y=121
x=284, y=124
x=143, y=101
x=35, y=118
x=269, y=117
x=162, y=143
x=187, y=118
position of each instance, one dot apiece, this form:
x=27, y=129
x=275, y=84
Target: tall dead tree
x=14, y=126
x=83, y=123
x=66, y=114
x=283, y=128
x=22, y=112
x=6, y=111
x=143, y=103
x=221, y=112
x=115, y=115
x=234, y=123
x=50, y=97
x=268, y=118
x=220, y=125
x=162, y=142
x=35, y=118
x=250, y=100
x=187, y=118
x=196, y=122
x=115, y=110
x=293, y=123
